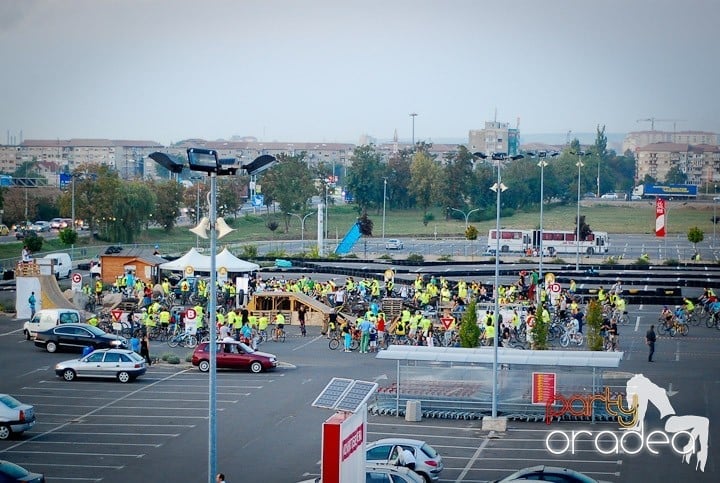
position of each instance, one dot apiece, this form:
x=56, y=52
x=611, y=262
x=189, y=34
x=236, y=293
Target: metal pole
x=384, y=198
x=598, y=178
x=542, y=165
x=413, y=115
x=72, y=215
x=212, y=412
x=496, y=292
x=579, y=165
x=197, y=213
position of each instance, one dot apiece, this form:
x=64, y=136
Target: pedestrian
x=145, y=349
x=31, y=303
x=220, y=478
x=347, y=337
x=302, y=311
x=406, y=458
x=26, y=254
x=650, y=338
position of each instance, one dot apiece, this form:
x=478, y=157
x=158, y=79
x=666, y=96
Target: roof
x=485, y=355
x=143, y=254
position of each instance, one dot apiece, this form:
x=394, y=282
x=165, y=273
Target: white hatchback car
x=428, y=463
x=394, y=244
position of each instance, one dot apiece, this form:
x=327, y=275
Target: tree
x=132, y=209
x=33, y=242
x=676, y=176
x=169, y=197
x=398, y=178
x=290, y=183
x=426, y=180
x=469, y=330
x=95, y=196
x=364, y=177
x=231, y=191
x=365, y=225
x=459, y=181
x=471, y=233
x=695, y=235
x=68, y=236
x=594, y=320
x=540, y=330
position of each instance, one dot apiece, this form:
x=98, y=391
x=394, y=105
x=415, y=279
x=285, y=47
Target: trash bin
x=87, y=350
x=413, y=411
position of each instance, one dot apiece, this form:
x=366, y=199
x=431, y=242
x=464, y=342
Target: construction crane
x=653, y=120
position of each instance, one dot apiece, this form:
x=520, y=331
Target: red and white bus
x=553, y=241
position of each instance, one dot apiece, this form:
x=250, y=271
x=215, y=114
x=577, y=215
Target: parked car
x=22, y=233
x=609, y=196
x=40, y=226
x=57, y=224
x=393, y=244
x=233, y=355
x=121, y=364
x=4, y=230
x=429, y=463
x=47, y=318
x=77, y=336
x=548, y=473
x=11, y=472
x=15, y=417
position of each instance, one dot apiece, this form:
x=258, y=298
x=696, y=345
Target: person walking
x=365, y=325
x=650, y=338
x=31, y=302
x=145, y=349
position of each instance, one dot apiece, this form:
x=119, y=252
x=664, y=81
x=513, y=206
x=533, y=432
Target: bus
x=553, y=241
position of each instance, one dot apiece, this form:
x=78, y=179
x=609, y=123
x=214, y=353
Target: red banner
x=660, y=217
x=543, y=387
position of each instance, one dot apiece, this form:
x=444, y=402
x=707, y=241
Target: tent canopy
x=201, y=263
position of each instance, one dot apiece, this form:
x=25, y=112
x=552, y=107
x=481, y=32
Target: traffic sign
x=76, y=278
x=555, y=287
x=76, y=282
x=446, y=321
x=190, y=314
x=116, y=314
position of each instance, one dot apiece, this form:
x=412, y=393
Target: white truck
x=57, y=264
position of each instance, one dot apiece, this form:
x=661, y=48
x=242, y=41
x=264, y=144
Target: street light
x=413, y=115
x=466, y=215
x=207, y=161
x=302, y=228
x=542, y=155
x=715, y=202
x=579, y=165
x=384, y=198
x=498, y=187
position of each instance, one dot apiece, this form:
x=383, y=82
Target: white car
x=121, y=364
x=428, y=463
x=393, y=244
x=40, y=226
x=379, y=473
x=15, y=417
x=609, y=196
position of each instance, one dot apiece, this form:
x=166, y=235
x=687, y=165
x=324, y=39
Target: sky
x=333, y=70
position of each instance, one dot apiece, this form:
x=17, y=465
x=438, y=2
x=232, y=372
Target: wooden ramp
x=270, y=303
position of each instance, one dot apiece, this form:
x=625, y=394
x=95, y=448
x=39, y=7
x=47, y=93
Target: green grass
x=615, y=218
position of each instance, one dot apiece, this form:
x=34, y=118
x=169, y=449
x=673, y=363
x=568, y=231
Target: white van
x=48, y=318
x=58, y=264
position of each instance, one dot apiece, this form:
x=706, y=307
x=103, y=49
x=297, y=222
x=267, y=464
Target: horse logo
x=640, y=391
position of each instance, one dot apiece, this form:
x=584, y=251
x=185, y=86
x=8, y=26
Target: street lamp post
x=413, y=115
x=466, y=215
x=579, y=165
x=302, y=228
x=207, y=161
x=542, y=164
x=715, y=202
x=384, y=198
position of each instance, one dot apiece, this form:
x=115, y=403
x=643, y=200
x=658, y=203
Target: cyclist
x=689, y=306
x=262, y=326
x=279, y=324
x=667, y=316
x=184, y=291
x=614, y=335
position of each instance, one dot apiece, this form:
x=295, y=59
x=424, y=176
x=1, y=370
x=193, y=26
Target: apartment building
x=637, y=139
x=495, y=137
x=701, y=163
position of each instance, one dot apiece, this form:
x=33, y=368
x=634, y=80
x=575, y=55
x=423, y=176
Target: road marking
x=677, y=351
x=309, y=342
x=90, y=413
x=474, y=458
x=120, y=455
x=171, y=435
x=637, y=323
x=156, y=445
x=12, y=332
x=41, y=369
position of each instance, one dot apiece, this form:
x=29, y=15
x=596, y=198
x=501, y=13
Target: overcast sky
x=332, y=70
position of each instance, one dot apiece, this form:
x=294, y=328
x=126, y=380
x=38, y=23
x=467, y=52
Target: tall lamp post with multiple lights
x=207, y=161
x=413, y=115
x=384, y=198
x=579, y=165
x=543, y=155
x=302, y=228
x=498, y=187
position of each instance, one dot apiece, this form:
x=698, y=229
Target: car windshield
x=135, y=357
x=12, y=470
x=247, y=349
x=10, y=401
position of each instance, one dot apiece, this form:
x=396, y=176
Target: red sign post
x=544, y=385
x=116, y=314
x=660, y=217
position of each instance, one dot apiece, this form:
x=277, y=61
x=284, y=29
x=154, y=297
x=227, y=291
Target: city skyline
x=321, y=71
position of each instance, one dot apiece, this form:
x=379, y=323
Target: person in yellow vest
x=601, y=295
x=154, y=308
x=199, y=311
x=253, y=321
x=184, y=291
x=232, y=292
x=236, y=321
x=462, y=290
x=414, y=322
x=263, y=322
x=165, y=287
x=279, y=324
x=400, y=331
x=219, y=318
x=163, y=317
x=490, y=331
x=98, y=290
x=445, y=294
x=405, y=316
x=424, y=325
x=93, y=320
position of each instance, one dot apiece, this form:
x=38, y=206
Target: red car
x=233, y=355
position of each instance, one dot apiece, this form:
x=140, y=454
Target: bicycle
x=183, y=339
x=279, y=334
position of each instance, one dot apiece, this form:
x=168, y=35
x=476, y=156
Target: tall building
x=701, y=163
x=638, y=139
x=495, y=137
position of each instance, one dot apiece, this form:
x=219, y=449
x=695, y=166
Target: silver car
x=428, y=463
x=121, y=364
x=15, y=417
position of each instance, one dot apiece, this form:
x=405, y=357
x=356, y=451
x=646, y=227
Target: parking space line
x=309, y=342
x=94, y=443
x=117, y=455
x=170, y=435
x=144, y=425
x=413, y=435
x=111, y=467
x=76, y=418
x=472, y=460
x=90, y=413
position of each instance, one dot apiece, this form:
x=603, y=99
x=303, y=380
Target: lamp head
x=260, y=164
x=167, y=161
x=204, y=160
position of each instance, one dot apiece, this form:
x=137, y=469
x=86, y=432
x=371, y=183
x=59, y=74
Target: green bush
x=610, y=261
x=469, y=330
x=249, y=252
x=279, y=253
x=173, y=359
x=166, y=356
x=427, y=218
x=540, y=330
x=188, y=358
x=471, y=233
x=415, y=258
x=672, y=262
x=594, y=320
x=386, y=257
x=351, y=255
x=33, y=242
x=445, y=258
x=68, y=236
x=642, y=262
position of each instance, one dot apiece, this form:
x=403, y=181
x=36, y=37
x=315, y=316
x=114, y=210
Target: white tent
x=232, y=263
x=190, y=259
x=201, y=263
